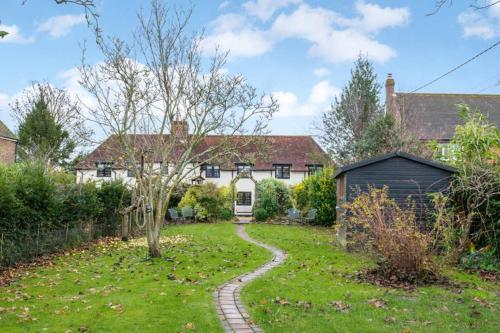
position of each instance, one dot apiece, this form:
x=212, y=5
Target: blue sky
x=301, y=51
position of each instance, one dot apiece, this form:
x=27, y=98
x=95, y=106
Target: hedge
x=42, y=211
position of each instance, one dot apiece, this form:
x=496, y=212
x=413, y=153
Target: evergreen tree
x=380, y=138
x=347, y=121
x=384, y=136
x=42, y=139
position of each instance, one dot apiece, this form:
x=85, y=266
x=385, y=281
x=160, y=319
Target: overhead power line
x=457, y=67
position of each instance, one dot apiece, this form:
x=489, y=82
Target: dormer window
x=282, y=171
x=245, y=170
x=212, y=171
x=314, y=168
x=103, y=169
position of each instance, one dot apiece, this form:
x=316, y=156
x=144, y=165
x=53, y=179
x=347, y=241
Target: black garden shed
x=404, y=174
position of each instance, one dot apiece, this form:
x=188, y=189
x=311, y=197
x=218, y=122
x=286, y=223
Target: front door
x=243, y=205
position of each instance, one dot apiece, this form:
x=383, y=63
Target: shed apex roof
x=401, y=154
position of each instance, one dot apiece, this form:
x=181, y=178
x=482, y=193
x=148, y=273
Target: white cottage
x=284, y=157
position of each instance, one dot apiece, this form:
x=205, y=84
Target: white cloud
x=71, y=83
x=374, y=18
x=59, y=26
x=476, y=25
x=265, y=9
x=14, y=35
x=224, y=4
x=482, y=24
x=232, y=32
x=321, y=71
x=322, y=94
x=333, y=37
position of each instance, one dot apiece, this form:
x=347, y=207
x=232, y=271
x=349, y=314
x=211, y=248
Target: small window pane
x=103, y=169
x=312, y=169
x=130, y=171
x=244, y=170
x=164, y=169
x=212, y=171
x=282, y=171
x=244, y=199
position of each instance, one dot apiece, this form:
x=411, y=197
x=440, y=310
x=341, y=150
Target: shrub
x=113, y=196
x=470, y=214
x=177, y=195
x=225, y=214
x=318, y=191
x=42, y=211
x=261, y=214
x=392, y=233
x=209, y=201
x=273, y=196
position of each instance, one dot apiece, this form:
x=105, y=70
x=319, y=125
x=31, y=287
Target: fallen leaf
x=376, y=303
x=340, y=306
x=389, y=320
x=304, y=304
x=281, y=301
x=482, y=302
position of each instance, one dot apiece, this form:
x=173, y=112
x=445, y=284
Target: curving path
x=227, y=297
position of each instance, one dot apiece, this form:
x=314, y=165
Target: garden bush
x=468, y=218
x=317, y=191
x=380, y=226
x=44, y=211
x=260, y=214
x=113, y=196
x=273, y=196
x=225, y=214
x=209, y=201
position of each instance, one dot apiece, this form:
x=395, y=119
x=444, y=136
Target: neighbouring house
x=8, y=145
x=434, y=116
x=405, y=176
x=286, y=158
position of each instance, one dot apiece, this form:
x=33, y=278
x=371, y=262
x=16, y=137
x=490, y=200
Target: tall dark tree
x=64, y=108
x=347, y=121
x=383, y=135
x=42, y=139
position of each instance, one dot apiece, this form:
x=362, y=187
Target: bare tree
x=475, y=4
x=90, y=13
x=171, y=88
x=65, y=109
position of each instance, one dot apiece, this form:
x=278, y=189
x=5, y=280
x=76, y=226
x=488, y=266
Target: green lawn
x=298, y=296
x=115, y=289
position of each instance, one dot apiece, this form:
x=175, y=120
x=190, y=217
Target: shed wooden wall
x=403, y=177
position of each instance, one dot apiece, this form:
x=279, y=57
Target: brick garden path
x=231, y=312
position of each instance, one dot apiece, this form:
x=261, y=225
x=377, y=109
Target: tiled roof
x=262, y=151
x=5, y=132
x=435, y=116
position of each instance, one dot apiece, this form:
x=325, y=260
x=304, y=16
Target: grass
x=298, y=296
x=114, y=288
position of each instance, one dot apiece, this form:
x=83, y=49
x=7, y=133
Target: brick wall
x=7, y=151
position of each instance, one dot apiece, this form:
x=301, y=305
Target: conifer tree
x=42, y=139
x=347, y=121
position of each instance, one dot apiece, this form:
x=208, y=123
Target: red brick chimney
x=179, y=129
x=389, y=95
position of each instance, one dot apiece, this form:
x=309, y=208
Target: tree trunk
x=153, y=235
x=125, y=223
